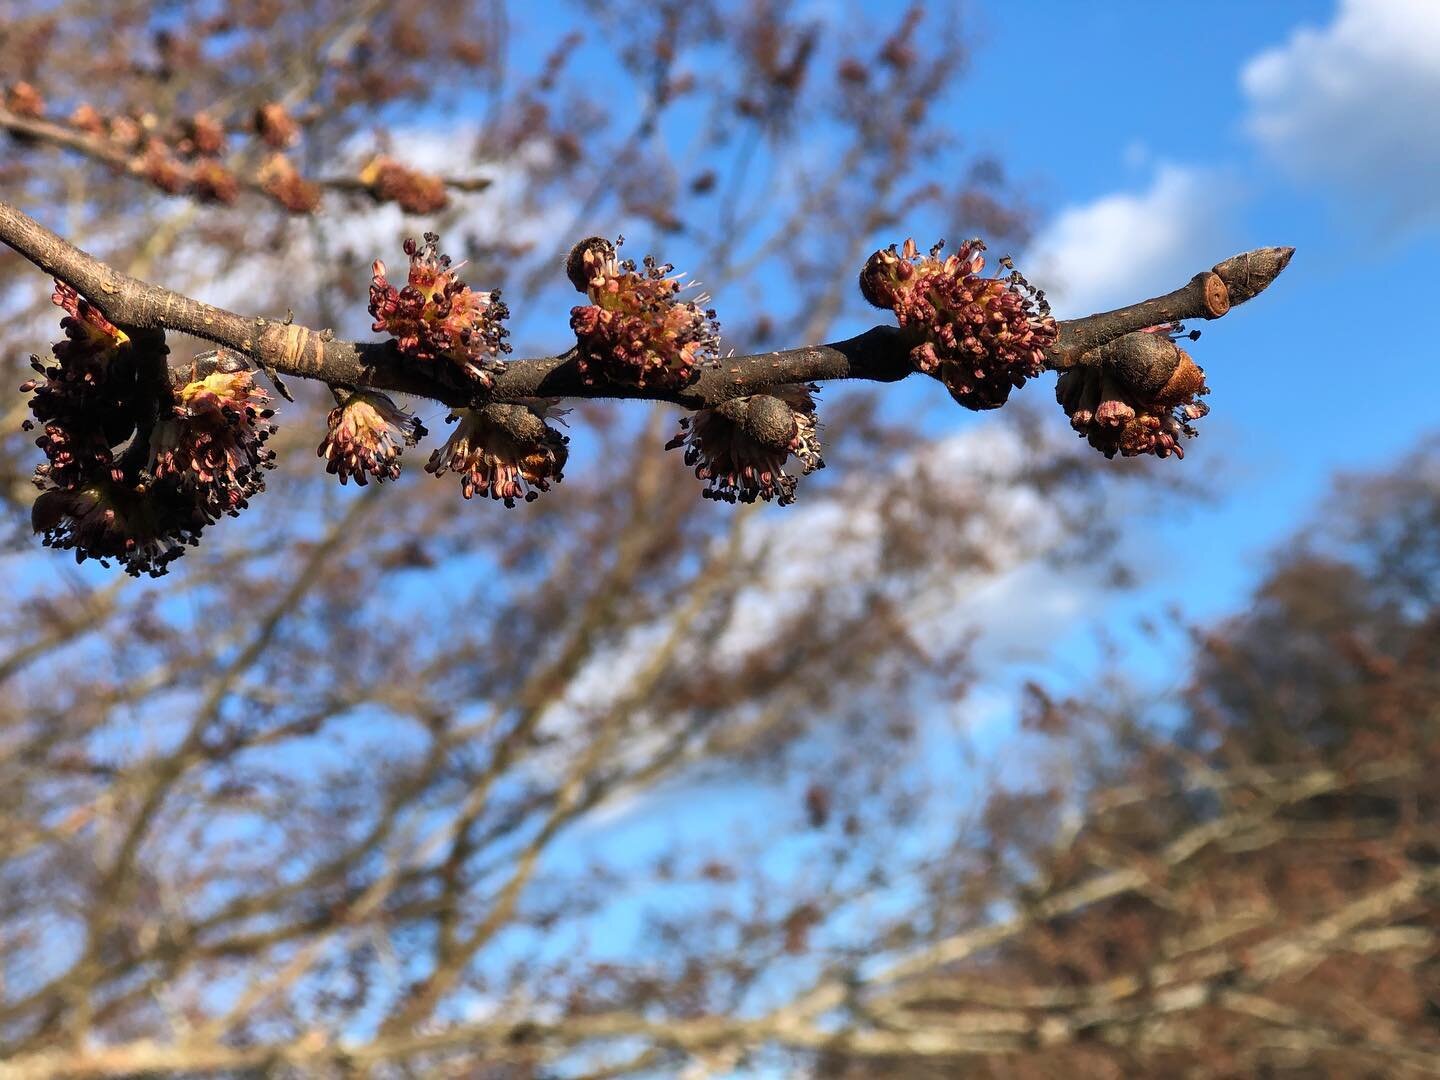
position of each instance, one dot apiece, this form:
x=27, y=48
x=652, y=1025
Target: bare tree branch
x=880, y=354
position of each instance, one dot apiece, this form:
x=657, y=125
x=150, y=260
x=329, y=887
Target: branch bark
x=880, y=354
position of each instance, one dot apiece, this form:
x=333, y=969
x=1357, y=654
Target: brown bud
x=1187, y=380
x=770, y=422
x=1247, y=276
x=580, y=264
x=1144, y=362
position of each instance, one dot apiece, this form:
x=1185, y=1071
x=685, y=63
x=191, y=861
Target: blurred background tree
x=353, y=789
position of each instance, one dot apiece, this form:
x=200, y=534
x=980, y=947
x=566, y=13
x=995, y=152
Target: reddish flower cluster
x=635, y=330
x=1139, y=401
x=212, y=445
x=282, y=182
x=505, y=451
x=84, y=402
x=436, y=316
x=94, y=497
x=366, y=436
x=413, y=191
x=275, y=126
x=211, y=181
x=22, y=99
x=143, y=530
x=740, y=447
x=202, y=136
x=158, y=165
x=981, y=336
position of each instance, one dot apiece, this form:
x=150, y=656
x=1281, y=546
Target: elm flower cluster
x=366, y=436
x=505, y=451
x=89, y=403
x=1141, y=396
x=275, y=126
x=981, y=336
x=212, y=445
x=84, y=402
x=282, y=182
x=413, y=191
x=104, y=519
x=740, y=447
x=635, y=329
x=436, y=317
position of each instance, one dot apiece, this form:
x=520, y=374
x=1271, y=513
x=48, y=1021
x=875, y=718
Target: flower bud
x=1139, y=395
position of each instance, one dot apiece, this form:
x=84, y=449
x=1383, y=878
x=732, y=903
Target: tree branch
x=131, y=161
x=880, y=354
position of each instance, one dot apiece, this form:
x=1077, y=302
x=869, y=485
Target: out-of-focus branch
x=134, y=162
x=924, y=1007
x=880, y=354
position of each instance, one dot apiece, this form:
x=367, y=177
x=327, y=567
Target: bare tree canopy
x=345, y=791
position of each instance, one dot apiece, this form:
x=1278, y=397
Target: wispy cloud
x=1354, y=107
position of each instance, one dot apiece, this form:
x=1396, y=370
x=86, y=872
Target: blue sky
x=1155, y=140
x=1173, y=138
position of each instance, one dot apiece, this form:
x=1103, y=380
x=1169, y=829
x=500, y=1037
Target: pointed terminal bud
x=1247, y=276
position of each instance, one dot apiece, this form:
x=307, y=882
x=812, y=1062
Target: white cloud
x=1019, y=603
x=1124, y=246
x=1355, y=106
